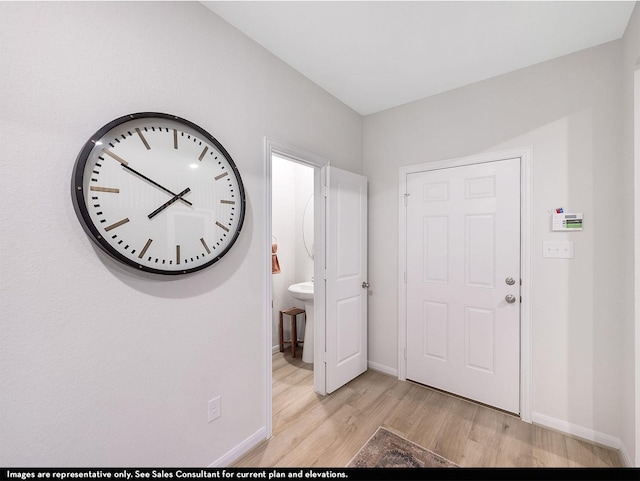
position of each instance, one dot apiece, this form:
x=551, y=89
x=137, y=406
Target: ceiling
x=377, y=55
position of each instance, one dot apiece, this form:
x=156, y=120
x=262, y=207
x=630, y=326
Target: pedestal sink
x=303, y=291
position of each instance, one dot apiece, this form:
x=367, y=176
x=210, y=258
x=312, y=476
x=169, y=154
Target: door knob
x=510, y=298
x=365, y=284
x=510, y=281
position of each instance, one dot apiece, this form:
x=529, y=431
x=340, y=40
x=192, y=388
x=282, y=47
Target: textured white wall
x=292, y=185
x=100, y=365
x=631, y=330
x=283, y=212
x=569, y=111
x=304, y=189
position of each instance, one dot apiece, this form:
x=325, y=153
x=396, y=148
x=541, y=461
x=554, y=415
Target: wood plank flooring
x=327, y=431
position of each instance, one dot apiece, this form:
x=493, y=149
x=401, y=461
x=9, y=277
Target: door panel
x=436, y=241
x=349, y=329
x=463, y=240
x=346, y=299
x=435, y=330
x=479, y=327
x=479, y=255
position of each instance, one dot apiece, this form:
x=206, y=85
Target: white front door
x=346, y=277
x=463, y=281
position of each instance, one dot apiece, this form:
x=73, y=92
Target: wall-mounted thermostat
x=566, y=222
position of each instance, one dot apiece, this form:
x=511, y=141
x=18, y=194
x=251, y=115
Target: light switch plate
x=557, y=249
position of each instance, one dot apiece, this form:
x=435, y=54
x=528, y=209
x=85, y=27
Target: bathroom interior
x=292, y=220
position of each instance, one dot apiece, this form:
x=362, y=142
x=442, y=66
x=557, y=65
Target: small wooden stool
x=293, y=313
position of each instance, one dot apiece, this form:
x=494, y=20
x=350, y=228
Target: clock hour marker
x=144, y=141
x=205, y=245
x=222, y=227
x=104, y=189
x=114, y=156
x=175, y=139
x=203, y=153
x=117, y=224
x=227, y=201
x=224, y=174
x=144, y=249
x=177, y=254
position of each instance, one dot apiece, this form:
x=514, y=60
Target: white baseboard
x=537, y=418
x=241, y=449
x=577, y=431
x=382, y=368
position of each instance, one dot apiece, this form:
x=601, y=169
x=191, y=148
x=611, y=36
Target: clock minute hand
x=168, y=203
x=156, y=184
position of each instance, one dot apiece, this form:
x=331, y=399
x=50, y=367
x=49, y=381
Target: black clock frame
x=79, y=205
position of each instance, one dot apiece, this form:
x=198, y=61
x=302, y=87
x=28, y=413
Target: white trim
x=526, y=290
x=273, y=147
x=240, y=450
x=268, y=294
x=294, y=153
x=624, y=455
x=526, y=155
x=402, y=273
x=636, y=234
x=374, y=366
x=576, y=430
x=319, y=284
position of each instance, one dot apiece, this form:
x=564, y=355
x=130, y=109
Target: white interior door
x=346, y=277
x=463, y=246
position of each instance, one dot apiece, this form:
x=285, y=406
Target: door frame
x=301, y=156
x=525, y=154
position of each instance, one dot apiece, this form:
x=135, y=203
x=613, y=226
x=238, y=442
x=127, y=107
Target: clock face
x=158, y=193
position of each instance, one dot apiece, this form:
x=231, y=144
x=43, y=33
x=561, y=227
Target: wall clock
x=158, y=193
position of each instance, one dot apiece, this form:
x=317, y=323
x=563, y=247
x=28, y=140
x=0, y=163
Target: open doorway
x=292, y=234
x=293, y=159
x=340, y=286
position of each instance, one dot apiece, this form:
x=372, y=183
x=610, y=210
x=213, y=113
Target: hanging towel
x=275, y=265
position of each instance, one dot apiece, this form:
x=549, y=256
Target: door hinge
x=406, y=199
x=324, y=355
x=325, y=191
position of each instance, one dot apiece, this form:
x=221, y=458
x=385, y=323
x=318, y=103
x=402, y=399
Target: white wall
x=100, y=365
x=568, y=111
x=292, y=186
x=631, y=328
x=304, y=222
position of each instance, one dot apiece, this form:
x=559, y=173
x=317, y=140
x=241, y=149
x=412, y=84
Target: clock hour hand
x=176, y=196
x=168, y=203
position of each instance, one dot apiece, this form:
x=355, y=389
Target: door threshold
x=462, y=398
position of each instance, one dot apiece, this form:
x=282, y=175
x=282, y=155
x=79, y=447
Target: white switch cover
x=557, y=249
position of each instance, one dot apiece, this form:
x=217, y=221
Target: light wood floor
x=312, y=431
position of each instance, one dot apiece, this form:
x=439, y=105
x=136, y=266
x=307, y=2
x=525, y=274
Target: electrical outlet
x=214, y=409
